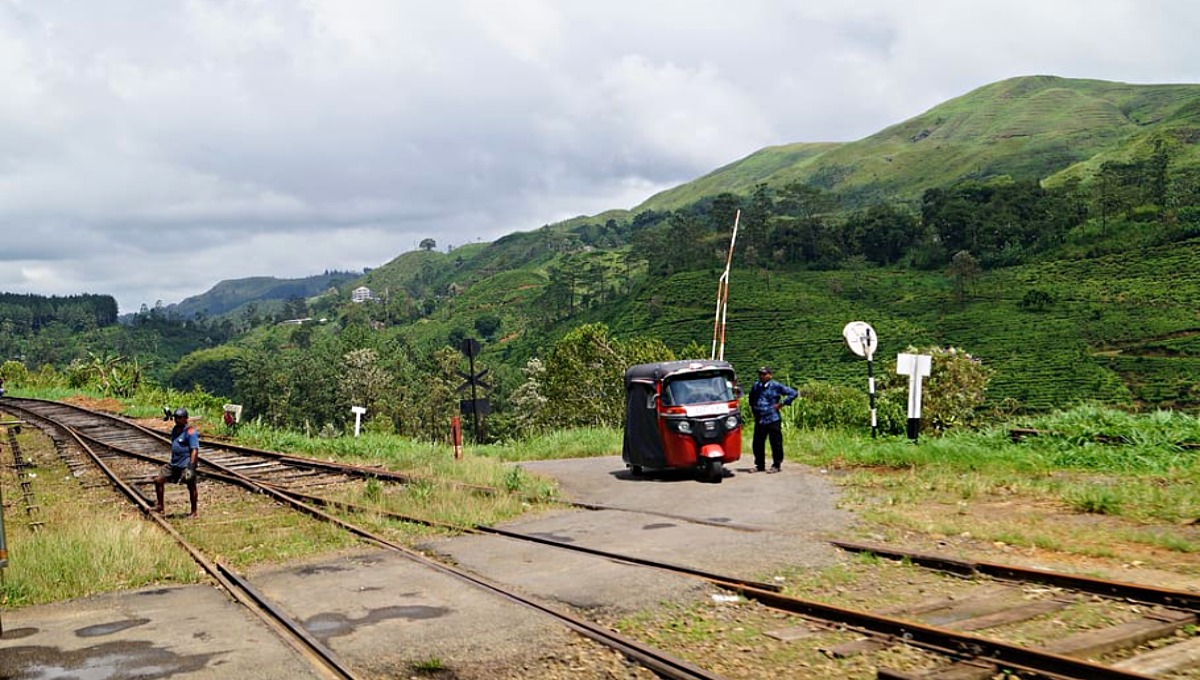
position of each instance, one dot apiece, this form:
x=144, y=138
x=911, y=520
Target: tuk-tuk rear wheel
x=635, y=470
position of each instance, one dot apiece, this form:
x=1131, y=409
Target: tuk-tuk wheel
x=714, y=471
x=635, y=470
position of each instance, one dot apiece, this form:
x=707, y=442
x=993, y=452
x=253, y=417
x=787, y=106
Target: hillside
x=231, y=295
x=1098, y=305
x=1026, y=128
x=1114, y=329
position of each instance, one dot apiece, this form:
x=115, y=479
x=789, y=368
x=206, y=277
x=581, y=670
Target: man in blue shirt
x=185, y=453
x=767, y=396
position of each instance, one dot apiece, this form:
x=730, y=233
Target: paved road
x=381, y=612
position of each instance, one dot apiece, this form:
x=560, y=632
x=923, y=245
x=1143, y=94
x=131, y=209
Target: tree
x=487, y=325
x=363, y=381
x=964, y=269
x=1035, y=300
x=583, y=383
x=428, y=244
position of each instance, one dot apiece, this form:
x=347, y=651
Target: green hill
x=232, y=295
x=1097, y=305
x=1032, y=127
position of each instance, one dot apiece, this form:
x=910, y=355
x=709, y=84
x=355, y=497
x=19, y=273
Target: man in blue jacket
x=185, y=453
x=767, y=396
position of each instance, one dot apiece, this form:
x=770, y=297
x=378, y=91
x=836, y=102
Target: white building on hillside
x=361, y=294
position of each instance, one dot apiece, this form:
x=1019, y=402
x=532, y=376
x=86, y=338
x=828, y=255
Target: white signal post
x=916, y=367
x=358, y=412
x=718, y=343
x=863, y=341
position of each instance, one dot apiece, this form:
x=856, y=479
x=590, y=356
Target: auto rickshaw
x=682, y=414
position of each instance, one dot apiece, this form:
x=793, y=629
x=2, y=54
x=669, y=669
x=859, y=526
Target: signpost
x=916, y=367
x=358, y=412
x=474, y=406
x=863, y=341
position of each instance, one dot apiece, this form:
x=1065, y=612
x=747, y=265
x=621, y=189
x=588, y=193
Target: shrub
x=952, y=396
x=826, y=405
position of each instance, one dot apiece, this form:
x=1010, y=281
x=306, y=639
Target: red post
x=456, y=435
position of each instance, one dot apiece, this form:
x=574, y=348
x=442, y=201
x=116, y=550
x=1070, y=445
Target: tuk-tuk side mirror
x=652, y=400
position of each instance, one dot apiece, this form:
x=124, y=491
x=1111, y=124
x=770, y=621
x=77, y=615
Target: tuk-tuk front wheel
x=713, y=470
x=635, y=470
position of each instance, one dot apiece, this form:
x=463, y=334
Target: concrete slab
x=798, y=499
x=188, y=632
x=383, y=613
x=796, y=510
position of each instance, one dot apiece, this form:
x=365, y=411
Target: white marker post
x=915, y=366
x=862, y=341
x=358, y=412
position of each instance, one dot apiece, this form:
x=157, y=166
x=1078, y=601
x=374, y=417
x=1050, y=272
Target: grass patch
x=88, y=543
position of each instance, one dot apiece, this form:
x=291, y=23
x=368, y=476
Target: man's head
x=764, y=373
x=181, y=415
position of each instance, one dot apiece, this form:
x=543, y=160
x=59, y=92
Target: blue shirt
x=183, y=440
x=763, y=398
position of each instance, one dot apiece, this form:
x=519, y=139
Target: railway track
x=952, y=629
x=126, y=453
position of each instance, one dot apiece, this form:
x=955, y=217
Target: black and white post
x=862, y=341
x=916, y=367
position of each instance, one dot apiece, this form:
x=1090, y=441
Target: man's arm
x=789, y=394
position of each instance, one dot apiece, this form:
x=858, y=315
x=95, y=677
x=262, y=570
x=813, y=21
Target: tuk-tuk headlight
x=684, y=427
x=731, y=422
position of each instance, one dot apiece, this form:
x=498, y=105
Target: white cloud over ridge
x=152, y=149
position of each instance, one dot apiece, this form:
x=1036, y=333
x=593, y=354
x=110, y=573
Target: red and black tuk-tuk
x=682, y=414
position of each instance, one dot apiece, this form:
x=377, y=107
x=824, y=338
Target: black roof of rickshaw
x=662, y=369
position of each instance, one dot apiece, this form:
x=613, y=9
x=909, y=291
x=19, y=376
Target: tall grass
x=80, y=556
x=85, y=544
x=1088, y=459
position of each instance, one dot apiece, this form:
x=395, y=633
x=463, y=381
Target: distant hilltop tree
x=428, y=244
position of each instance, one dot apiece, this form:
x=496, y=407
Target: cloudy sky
x=151, y=148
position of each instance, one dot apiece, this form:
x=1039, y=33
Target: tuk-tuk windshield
x=697, y=389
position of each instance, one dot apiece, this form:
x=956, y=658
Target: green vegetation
x=86, y=542
x=1047, y=227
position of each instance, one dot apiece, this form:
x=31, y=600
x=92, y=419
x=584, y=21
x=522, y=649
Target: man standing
x=185, y=453
x=767, y=396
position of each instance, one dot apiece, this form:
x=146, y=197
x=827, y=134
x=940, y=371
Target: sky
x=150, y=149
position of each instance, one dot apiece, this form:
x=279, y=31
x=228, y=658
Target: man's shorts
x=171, y=473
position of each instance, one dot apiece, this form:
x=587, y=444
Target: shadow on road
x=671, y=475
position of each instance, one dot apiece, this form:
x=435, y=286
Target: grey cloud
x=270, y=137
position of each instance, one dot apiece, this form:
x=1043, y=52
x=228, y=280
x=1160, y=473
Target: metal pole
x=871, y=389
x=724, y=305
x=871, y=381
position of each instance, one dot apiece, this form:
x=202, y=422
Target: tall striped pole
x=869, y=348
x=862, y=341
x=722, y=315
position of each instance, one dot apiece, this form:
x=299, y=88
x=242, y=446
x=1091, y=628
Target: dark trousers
x=773, y=431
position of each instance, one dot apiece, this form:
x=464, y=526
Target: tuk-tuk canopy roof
x=642, y=373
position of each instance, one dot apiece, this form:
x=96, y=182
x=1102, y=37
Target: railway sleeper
x=1087, y=644
x=970, y=614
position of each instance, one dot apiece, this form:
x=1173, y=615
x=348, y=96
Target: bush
x=824, y=405
x=952, y=396
x=14, y=372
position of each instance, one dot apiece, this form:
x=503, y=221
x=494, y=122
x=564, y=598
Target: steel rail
x=653, y=659
x=949, y=642
x=219, y=444
x=1178, y=599
x=529, y=538
x=292, y=633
